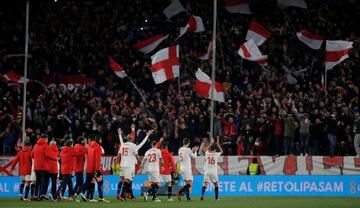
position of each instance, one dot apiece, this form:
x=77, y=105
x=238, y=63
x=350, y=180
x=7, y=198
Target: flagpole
x=179, y=83
x=213, y=61
x=25, y=72
x=325, y=75
x=137, y=89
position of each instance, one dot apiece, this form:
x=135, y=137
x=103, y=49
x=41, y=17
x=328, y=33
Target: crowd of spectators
x=278, y=111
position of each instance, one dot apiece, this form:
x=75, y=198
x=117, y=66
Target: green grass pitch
x=225, y=202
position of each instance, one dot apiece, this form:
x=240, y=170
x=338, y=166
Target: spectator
x=331, y=133
x=357, y=134
x=290, y=126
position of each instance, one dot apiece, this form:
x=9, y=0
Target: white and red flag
x=208, y=54
x=173, y=9
x=336, y=52
x=251, y=52
x=258, y=33
x=309, y=39
x=195, y=25
x=295, y=3
x=165, y=64
x=148, y=45
x=11, y=76
x=203, y=87
x=119, y=71
x=237, y=6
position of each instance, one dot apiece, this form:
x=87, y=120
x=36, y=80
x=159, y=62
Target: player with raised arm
x=153, y=159
x=211, y=173
x=129, y=158
x=185, y=155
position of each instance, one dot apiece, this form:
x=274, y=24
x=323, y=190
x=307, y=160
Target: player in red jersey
x=24, y=159
x=168, y=167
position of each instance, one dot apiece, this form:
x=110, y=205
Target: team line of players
x=39, y=165
x=159, y=163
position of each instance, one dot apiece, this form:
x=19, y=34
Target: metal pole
x=137, y=89
x=213, y=61
x=179, y=83
x=325, y=76
x=25, y=72
x=325, y=81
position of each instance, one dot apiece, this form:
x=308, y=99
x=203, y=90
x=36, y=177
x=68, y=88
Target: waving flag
x=11, y=76
x=309, y=39
x=295, y=3
x=165, y=64
x=237, y=6
x=119, y=71
x=148, y=45
x=195, y=25
x=173, y=9
x=336, y=52
x=203, y=87
x=251, y=52
x=258, y=33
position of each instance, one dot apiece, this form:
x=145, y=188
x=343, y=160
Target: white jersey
x=185, y=155
x=152, y=157
x=211, y=161
x=128, y=152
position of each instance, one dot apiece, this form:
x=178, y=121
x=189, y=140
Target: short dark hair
x=27, y=144
x=164, y=145
x=68, y=143
x=212, y=147
x=98, y=139
x=153, y=143
x=92, y=138
x=186, y=141
x=44, y=136
x=80, y=140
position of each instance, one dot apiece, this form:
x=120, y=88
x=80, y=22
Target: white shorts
x=211, y=177
x=187, y=175
x=166, y=178
x=25, y=178
x=127, y=172
x=33, y=175
x=154, y=176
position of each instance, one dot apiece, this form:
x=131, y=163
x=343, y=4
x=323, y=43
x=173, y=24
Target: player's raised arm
x=219, y=146
x=120, y=136
x=194, y=152
x=145, y=139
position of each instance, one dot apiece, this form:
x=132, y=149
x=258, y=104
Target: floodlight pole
x=25, y=72
x=213, y=63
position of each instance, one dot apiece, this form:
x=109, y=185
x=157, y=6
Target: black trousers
x=86, y=185
x=66, y=180
x=53, y=178
x=79, y=181
x=42, y=181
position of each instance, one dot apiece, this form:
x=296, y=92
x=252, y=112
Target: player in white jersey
x=185, y=155
x=211, y=173
x=153, y=160
x=129, y=158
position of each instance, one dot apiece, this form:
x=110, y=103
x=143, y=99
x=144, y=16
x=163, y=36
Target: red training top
x=53, y=152
x=40, y=155
x=67, y=160
x=93, y=157
x=79, y=159
x=24, y=159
